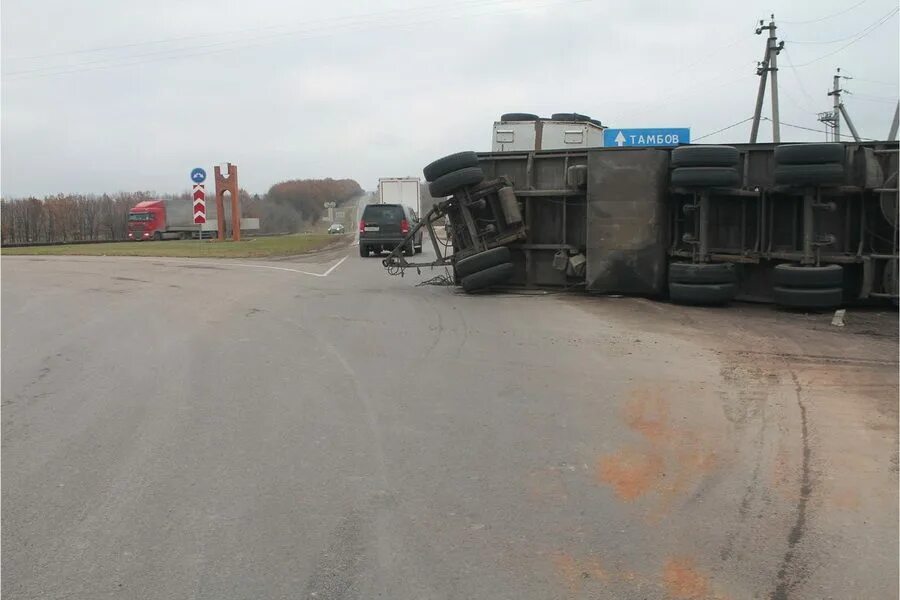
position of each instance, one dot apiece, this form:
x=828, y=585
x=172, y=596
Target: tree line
x=288, y=207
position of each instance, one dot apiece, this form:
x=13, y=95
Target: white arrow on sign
x=620, y=139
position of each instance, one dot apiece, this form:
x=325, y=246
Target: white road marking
x=325, y=274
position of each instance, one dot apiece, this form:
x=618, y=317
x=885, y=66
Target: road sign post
x=646, y=138
x=198, y=197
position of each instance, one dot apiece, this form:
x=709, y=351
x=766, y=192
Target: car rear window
x=383, y=213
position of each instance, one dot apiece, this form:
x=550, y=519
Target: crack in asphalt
x=785, y=584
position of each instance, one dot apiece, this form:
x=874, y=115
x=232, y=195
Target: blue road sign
x=668, y=136
x=198, y=175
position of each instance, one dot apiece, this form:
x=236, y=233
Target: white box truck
x=562, y=131
x=400, y=190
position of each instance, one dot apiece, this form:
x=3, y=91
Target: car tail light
x=362, y=225
x=404, y=226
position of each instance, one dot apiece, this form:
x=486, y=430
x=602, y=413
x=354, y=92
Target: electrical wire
x=816, y=130
x=351, y=21
x=873, y=97
x=825, y=18
x=697, y=139
x=835, y=41
x=230, y=46
x=855, y=78
x=879, y=100
x=881, y=22
x=439, y=6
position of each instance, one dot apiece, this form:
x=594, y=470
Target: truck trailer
x=804, y=225
x=167, y=219
x=401, y=190
x=561, y=131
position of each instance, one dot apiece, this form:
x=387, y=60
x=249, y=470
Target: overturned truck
x=800, y=225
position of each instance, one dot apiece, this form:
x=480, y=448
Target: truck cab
x=147, y=220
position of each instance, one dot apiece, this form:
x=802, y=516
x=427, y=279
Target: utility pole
x=839, y=108
x=769, y=63
x=892, y=135
x=836, y=94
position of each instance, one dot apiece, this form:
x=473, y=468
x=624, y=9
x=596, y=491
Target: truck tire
x=569, y=117
x=364, y=251
x=450, y=183
x=409, y=249
x=799, y=276
x=809, y=154
x=820, y=174
x=702, y=273
x=491, y=276
x=519, y=117
x=705, y=156
x=483, y=260
x=450, y=163
x=702, y=294
x=157, y=236
x=808, y=297
x=705, y=177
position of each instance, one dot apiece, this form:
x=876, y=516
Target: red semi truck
x=169, y=219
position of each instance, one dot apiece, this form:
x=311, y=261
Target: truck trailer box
x=546, y=134
x=400, y=190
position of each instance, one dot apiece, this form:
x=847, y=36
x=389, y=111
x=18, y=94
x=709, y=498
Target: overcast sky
x=105, y=95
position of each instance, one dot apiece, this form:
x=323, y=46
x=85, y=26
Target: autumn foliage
x=288, y=207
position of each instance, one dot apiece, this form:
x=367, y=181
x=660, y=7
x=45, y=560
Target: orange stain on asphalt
x=631, y=473
x=682, y=580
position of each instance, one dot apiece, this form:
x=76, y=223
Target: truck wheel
x=450, y=163
x=799, y=276
x=449, y=184
x=702, y=273
x=705, y=156
x=157, y=236
x=184, y=235
x=808, y=297
x=409, y=249
x=483, y=260
x=491, y=276
x=702, y=294
x=705, y=177
x=809, y=154
x=820, y=174
x=364, y=251
x=519, y=117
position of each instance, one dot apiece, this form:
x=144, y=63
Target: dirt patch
x=667, y=463
x=631, y=473
x=682, y=580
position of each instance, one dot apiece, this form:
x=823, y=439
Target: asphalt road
x=227, y=429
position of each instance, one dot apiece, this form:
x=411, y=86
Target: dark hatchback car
x=383, y=227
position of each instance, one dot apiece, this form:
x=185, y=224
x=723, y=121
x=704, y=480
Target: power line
x=825, y=18
x=843, y=39
x=351, y=21
x=40, y=72
x=816, y=130
x=439, y=6
x=869, y=99
x=890, y=83
x=878, y=24
x=721, y=130
x=797, y=78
